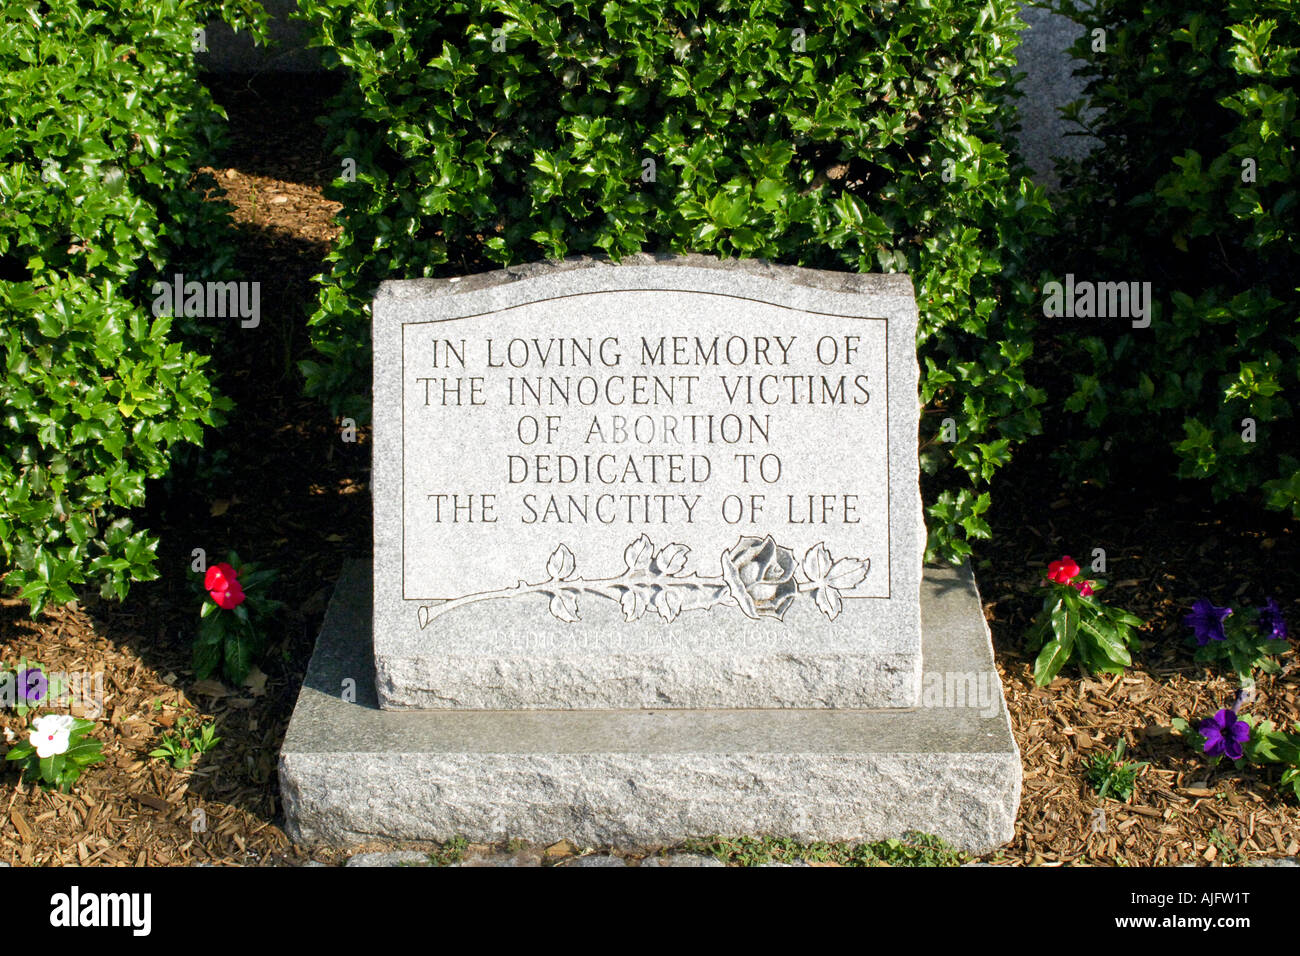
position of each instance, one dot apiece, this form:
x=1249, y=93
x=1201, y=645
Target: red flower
x=223, y=586
x=218, y=575
x=1084, y=587
x=1063, y=571
x=230, y=598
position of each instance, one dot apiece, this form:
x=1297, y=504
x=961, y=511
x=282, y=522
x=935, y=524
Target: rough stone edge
x=966, y=801
x=890, y=284
x=407, y=683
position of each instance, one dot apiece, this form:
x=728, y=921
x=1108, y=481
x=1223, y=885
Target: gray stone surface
x=1049, y=84
x=526, y=857
x=350, y=772
x=391, y=858
x=817, y=373
x=682, y=859
x=598, y=859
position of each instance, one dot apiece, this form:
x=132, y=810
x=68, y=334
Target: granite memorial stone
x=648, y=565
x=647, y=486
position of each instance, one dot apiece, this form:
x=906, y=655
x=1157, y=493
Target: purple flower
x=1270, y=618
x=1224, y=734
x=1207, y=621
x=32, y=685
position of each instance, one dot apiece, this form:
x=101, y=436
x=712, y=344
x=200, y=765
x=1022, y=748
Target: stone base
x=350, y=772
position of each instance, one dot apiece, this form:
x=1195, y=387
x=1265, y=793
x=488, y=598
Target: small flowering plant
x=27, y=687
x=231, y=619
x=1222, y=735
x=1243, y=641
x=1074, y=625
x=56, y=750
x=1228, y=736
x=1273, y=746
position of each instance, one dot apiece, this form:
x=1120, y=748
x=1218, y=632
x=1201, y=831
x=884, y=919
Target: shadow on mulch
x=274, y=130
x=279, y=486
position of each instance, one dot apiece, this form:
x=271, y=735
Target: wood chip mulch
x=1165, y=547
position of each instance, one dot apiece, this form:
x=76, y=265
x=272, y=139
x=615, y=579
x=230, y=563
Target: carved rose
x=760, y=575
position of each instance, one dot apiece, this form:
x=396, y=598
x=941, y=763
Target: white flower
x=9, y=736
x=50, y=734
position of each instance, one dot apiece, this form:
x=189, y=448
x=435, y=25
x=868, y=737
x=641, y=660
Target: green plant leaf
x=1051, y=659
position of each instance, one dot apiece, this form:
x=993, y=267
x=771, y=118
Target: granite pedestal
x=351, y=772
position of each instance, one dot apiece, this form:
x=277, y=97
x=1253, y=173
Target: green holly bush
x=829, y=134
x=103, y=128
x=1193, y=187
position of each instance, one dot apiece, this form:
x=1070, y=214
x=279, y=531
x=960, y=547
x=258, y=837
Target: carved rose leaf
x=669, y=604
x=672, y=559
x=828, y=599
x=817, y=563
x=561, y=564
x=633, y=605
x=638, y=554
x=565, y=606
x=847, y=573
x=759, y=577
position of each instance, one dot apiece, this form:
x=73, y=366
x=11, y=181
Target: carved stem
x=704, y=593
